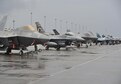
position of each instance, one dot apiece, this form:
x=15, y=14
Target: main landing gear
x=8, y=51
x=47, y=47
x=58, y=48
x=78, y=45
x=86, y=45
x=21, y=52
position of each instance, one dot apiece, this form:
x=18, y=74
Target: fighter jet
x=101, y=39
x=107, y=40
x=20, y=38
x=57, y=41
x=78, y=40
x=89, y=37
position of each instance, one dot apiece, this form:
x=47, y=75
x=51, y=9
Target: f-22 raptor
x=20, y=38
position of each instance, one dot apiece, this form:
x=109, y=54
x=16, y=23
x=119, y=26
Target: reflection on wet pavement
x=88, y=52
x=46, y=63
x=24, y=75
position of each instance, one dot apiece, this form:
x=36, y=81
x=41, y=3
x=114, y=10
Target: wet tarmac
x=93, y=65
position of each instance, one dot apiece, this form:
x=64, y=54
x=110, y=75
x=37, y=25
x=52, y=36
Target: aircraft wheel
x=40, y=50
x=8, y=51
x=58, y=48
x=21, y=52
x=86, y=46
x=78, y=45
x=47, y=47
x=67, y=49
x=36, y=48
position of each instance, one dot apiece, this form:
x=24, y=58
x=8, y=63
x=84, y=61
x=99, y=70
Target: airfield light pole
x=83, y=28
x=13, y=24
x=45, y=23
x=71, y=25
x=55, y=23
x=31, y=17
x=66, y=25
x=86, y=28
x=79, y=29
x=75, y=27
x=60, y=25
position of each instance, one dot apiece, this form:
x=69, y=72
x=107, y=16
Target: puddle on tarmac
x=22, y=62
x=24, y=75
x=69, y=67
x=45, y=59
x=14, y=65
x=88, y=52
x=57, y=55
x=40, y=63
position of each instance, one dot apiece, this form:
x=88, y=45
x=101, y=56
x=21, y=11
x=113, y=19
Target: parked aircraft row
x=21, y=38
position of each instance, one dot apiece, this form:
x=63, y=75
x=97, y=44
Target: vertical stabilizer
x=2, y=23
x=98, y=35
x=39, y=27
x=56, y=32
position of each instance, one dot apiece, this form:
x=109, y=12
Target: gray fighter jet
x=57, y=41
x=20, y=38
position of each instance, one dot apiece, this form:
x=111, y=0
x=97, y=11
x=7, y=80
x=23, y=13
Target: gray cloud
x=103, y=16
x=7, y=6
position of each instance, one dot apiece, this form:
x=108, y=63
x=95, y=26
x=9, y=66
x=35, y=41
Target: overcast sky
x=102, y=16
